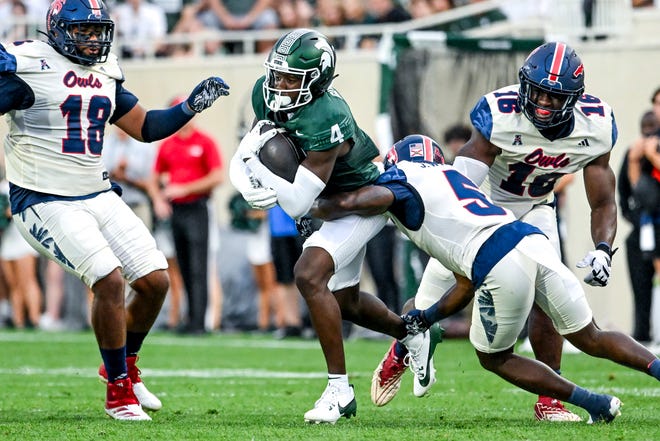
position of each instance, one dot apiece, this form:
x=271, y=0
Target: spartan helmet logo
x=327, y=58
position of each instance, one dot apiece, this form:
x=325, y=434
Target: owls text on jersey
x=450, y=218
x=530, y=164
x=54, y=146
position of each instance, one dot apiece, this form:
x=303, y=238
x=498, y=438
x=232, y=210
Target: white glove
x=259, y=197
x=254, y=140
x=601, y=266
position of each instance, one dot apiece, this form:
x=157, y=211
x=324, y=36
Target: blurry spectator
x=383, y=11
x=130, y=163
x=420, y=8
x=237, y=15
x=295, y=13
x=14, y=21
x=140, y=26
x=455, y=136
x=642, y=3
x=254, y=223
x=19, y=265
x=286, y=246
x=441, y=5
x=644, y=175
x=640, y=270
x=51, y=319
x=330, y=13
x=195, y=18
x=355, y=12
x=386, y=11
x=190, y=166
x=213, y=318
x=5, y=308
x=174, y=299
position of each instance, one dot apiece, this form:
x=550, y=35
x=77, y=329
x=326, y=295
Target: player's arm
x=153, y=125
x=475, y=157
x=366, y=201
x=453, y=301
x=599, y=184
x=297, y=197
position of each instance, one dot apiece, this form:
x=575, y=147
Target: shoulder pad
x=110, y=68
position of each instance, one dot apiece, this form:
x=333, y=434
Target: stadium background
x=623, y=72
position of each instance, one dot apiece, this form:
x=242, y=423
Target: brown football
x=281, y=155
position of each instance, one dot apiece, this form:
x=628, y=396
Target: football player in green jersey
x=296, y=95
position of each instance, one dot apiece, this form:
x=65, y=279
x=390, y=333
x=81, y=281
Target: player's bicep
x=133, y=121
x=479, y=148
x=321, y=163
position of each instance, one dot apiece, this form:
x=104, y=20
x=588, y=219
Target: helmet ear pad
x=556, y=69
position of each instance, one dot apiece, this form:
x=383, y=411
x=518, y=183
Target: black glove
x=206, y=92
x=415, y=321
x=305, y=226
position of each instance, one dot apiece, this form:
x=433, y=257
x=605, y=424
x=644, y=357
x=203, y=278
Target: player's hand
x=600, y=262
x=254, y=140
x=206, y=92
x=260, y=198
x=415, y=322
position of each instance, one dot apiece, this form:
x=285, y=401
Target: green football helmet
x=303, y=53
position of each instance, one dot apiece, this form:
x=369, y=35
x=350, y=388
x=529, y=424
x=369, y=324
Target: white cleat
x=332, y=405
x=147, y=400
x=421, y=347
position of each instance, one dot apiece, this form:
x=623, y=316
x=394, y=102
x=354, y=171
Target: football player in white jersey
x=526, y=136
x=58, y=96
x=505, y=264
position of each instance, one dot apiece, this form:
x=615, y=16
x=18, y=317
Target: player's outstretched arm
x=366, y=201
x=154, y=125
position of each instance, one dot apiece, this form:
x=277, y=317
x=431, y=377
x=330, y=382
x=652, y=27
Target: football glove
x=260, y=198
x=305, y=226
x=254, y=140
x=206, y=92
x=416, y=322
x=600, y=261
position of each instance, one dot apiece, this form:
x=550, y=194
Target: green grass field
x=245, y=387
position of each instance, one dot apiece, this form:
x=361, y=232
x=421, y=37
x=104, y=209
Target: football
x=280, y=154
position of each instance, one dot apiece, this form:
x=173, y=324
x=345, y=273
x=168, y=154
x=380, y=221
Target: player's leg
x=338, y=246
x=144, y=267
x=386, y=379
x=537, y=378
x=546, y=343
x=86, y=253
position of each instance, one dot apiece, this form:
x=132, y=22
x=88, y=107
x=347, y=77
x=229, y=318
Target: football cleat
x=121, y=402
x=147, y=400
x=332, y=405
x=386, y=380
x=610, y=410
x=422, y=385
x=550, y=409
x=421, y=347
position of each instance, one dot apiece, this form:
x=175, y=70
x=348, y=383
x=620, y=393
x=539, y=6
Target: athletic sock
x=592, y=402
x=654, y=369
x=134, y=342
x=400, y=350
x=115, y=363
x=340, y=381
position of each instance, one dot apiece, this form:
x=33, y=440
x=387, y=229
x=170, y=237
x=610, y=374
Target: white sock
x=340, y=381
